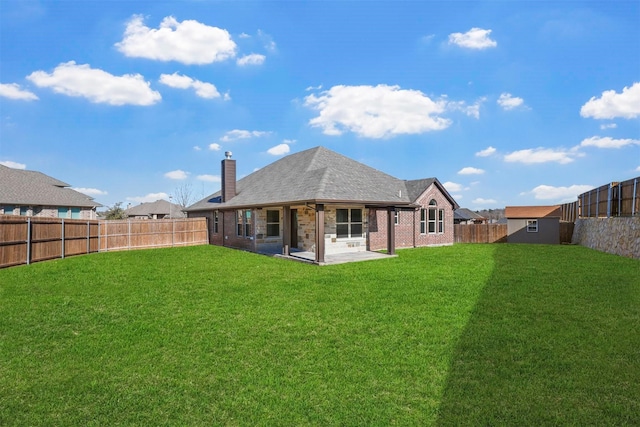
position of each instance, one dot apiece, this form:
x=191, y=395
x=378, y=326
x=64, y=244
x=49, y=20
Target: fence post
x=609, y=196
x=28, y=240
x=635, y=191
x=129, y=235
x=88, y=236
x=62, y=237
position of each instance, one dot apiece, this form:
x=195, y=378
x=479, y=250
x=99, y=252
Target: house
x=31, y=193
x=322, y=202
x=467, y=216
x=155, y=210
x=533, y=224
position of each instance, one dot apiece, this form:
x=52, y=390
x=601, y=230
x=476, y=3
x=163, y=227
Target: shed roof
x=319, y=175
x=465, y=214
x=32, y=188
x=533, y=212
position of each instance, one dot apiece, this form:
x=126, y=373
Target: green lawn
x=461, y=335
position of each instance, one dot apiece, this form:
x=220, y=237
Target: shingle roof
x=532, y=211
x=161, y=207
x=32, y=188
x=319, y=175
x=465, y=214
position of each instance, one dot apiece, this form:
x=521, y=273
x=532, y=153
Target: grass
x=464, y=335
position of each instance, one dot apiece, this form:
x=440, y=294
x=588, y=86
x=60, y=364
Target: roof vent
x=227, y=154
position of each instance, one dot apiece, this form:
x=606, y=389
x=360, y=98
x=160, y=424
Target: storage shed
x=533, y=224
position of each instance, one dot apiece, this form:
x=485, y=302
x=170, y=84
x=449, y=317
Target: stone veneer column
x=319, y=233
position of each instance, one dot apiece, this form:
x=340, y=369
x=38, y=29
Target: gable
x=519, y=212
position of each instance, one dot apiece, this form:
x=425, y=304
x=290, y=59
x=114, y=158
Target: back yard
x=460, y=335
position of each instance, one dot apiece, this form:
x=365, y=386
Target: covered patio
x=339, y=258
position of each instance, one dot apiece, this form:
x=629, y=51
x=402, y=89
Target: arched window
x=433, y=215
x=432, y=219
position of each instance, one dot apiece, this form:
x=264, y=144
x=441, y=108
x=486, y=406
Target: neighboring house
x=155, y=210
x=31, y=193
x=320, y=201
x=533, y=224
x=467, y=216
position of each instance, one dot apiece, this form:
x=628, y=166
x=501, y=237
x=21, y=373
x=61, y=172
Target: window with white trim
x=396, y=217
x=348, y=223
x=433, y=212
x=532, y=226
x=423, y=221
x=440, y=220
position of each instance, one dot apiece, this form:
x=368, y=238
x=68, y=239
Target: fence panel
x=145, y=234
x=480, y=233
x=30, y=239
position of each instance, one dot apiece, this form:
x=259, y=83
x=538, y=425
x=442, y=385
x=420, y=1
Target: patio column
x=319, y=233
x=391, y=230
x=286, y=230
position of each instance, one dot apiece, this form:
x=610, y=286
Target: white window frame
x=532, y=226
x=216, y=221
x=432, y=218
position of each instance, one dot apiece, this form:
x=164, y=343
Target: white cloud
x=452, y=186
x=203, y=90
x=475, y=38
x=559, y=194
x=612, y=104
x=310, y=88
x=481, y=201
x=541, y=155
x=177, y=174
x=376, y=111
x=638, y=169
x=470, y=171
x=509, y=102
x=607, y=142
x=13, y=165
x=486, y=152
x=289, y=141
x=209, y=178
x=13, y=91
x=90, y=191
x=197, y=148
x=267, y=41
x=608, y=126
x=188, y=42
x=236, y=134
x=279, y=150
x=470, y=110
x=252, y=59
x=151, y=197
x=215, y=147
x=96, y=85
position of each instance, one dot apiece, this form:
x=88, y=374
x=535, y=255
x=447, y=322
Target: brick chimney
x=228, y=177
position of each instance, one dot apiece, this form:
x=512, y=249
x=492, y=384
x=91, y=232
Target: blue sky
x=506, y=103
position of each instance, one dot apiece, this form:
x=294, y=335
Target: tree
x=115, y=212
x=183, y=195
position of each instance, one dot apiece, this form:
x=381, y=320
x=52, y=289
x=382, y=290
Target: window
x=243, y=222
x=273, y=223
x=24, y=210
x=75, y=213
x=532, y=226
x=423, y=221
x=348, y=223
x=396, y=219
x=433, y=209
x=216, y=222
x=62, y=212
x=441, y=221
x=8, y=210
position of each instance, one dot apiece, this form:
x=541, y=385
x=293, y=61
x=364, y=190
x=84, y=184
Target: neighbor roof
x=161, y=207
x=319, y=175
x=465, y=214
x=532, y=211
x=31, y=188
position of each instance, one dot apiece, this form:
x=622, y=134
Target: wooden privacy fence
x=138, y=234
x=480, y=233
x=610, y=200
x=24, y=240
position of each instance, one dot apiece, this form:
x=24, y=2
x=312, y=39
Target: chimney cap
x=228, y=154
